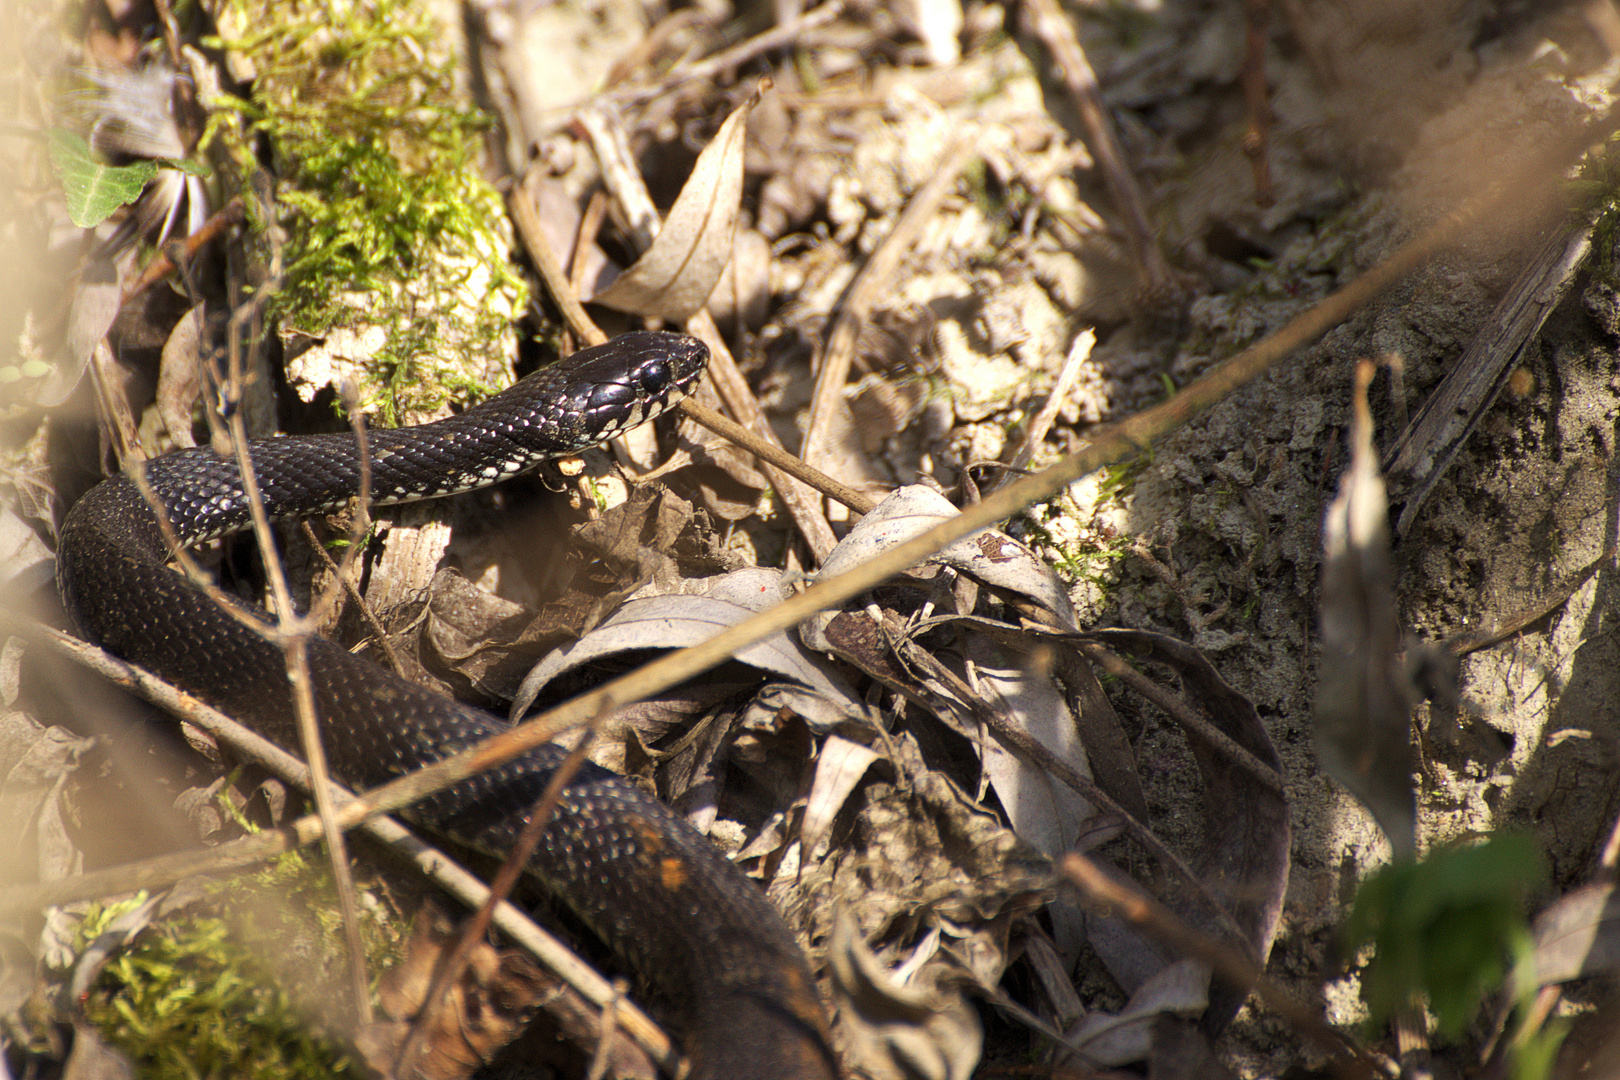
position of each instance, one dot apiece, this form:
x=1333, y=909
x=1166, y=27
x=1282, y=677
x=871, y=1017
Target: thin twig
x=1460, y=645
x=292, y=633
x=1056, y=32
x=730, y=384
x=721, y=64
x=590, y=224
x=161, y=265
x=379, y=633
x=602, y=1058
x=1041, y=423
x=874, y=281
x=451, y=964
x=1190, y=721
x=627, y=186
x=775, y=455
x=551, y=272
x=1257, y=139
x=1021, y=742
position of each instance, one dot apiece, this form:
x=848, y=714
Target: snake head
x=631, y=379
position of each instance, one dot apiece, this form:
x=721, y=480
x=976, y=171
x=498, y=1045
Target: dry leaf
x=1181, y=989
x=1575, y=937
x=490, y=1003
x=989, y=556
x=95, y=305
x=1364, y=699
x=1042, y=810
x=675, y=621
x=673, y=280
x=901, y=1027
x=179, y=377
x=839, y=767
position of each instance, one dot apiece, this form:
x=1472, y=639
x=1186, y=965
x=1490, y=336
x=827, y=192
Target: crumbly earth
x=1223, y=526
x=1230, y=512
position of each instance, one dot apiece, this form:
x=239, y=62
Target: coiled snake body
x=654, y=889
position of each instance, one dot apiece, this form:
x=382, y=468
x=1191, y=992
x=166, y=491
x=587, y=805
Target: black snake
x=663, y=898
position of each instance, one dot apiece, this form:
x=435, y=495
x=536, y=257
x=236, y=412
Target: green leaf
x=1444, y=928
x=94, y=189
x=185, y=165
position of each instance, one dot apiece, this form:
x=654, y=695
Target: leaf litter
x=903, y=801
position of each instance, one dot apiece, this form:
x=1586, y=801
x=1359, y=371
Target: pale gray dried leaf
x=95, y=305
x=676, y=621
x=675, y=276
x=820, y=713
x=900, y=1029
x=179, y=377
x=756, y=588
x=1042, y=810
x=22, y=553
x=1364, y=697
x=1180, y=989
x=93, y=1059
x=1575, y=937
x=839, y=767
x=35, y=762
x=989, y=556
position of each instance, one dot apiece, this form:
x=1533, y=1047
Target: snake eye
x=654, y=377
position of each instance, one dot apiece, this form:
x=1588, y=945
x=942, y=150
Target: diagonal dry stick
x=1111, y=443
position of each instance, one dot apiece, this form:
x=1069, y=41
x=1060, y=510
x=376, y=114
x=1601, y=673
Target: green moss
x=388, y=221
x=1119, y=480
x=205, y=996
x=1095, y=563
x=1598, y=185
